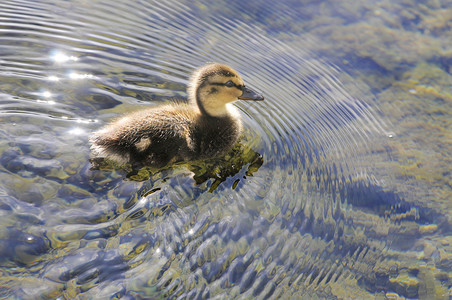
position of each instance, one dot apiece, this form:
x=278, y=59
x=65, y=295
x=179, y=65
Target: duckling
x=207, y=126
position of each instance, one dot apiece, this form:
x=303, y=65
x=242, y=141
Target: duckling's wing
x=162, y=133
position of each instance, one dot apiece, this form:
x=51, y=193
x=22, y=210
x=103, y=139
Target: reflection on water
x=307, y=204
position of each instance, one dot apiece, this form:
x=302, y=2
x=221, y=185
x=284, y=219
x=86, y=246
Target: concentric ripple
x=310, y=217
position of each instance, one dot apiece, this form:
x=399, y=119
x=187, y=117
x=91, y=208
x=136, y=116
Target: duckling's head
x=213, y=87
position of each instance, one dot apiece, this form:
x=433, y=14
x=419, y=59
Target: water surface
x=339, y=187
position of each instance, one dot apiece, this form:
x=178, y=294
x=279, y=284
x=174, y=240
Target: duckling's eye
x=229, y=83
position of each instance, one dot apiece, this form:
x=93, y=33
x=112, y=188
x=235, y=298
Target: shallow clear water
x=318, y=200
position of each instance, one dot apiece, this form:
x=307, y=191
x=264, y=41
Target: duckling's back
x=154, y=137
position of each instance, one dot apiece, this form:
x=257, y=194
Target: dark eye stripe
x=240, y=87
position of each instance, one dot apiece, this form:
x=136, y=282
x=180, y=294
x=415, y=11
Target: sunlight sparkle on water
x=74, y=75
x=142, y=201
x=46, y=94
x=76, y=131
x=60, y=57
x=85, y=121
x=53, y=78
x=51, y=102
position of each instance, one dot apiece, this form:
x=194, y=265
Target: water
x=332, y=191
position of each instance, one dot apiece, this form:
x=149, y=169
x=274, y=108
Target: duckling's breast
x=215, y=135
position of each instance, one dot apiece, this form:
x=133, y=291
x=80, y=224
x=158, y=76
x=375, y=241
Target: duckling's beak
x=249, y=94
